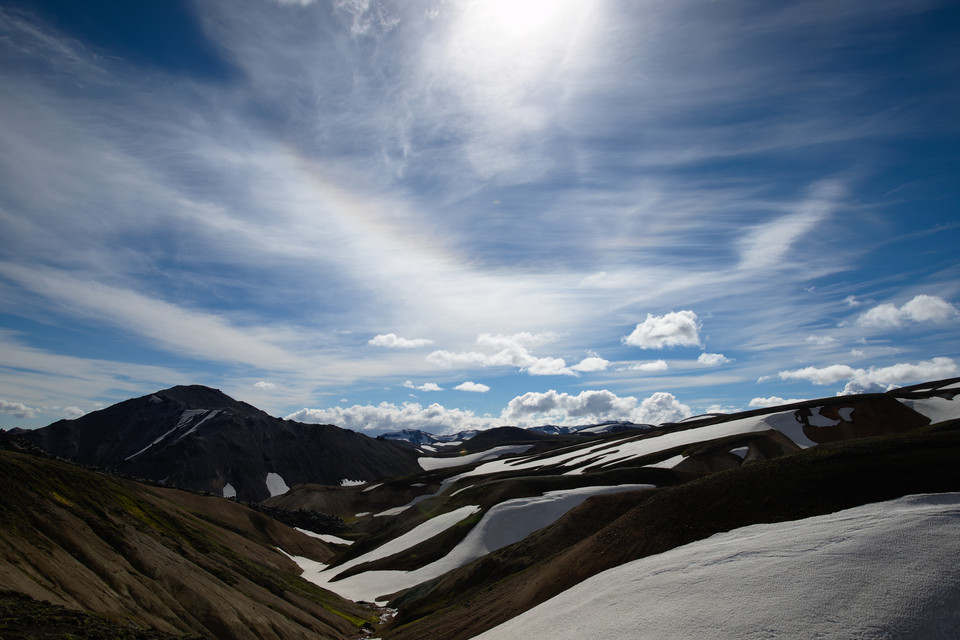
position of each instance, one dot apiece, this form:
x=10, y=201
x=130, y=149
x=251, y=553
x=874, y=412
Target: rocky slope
x=163, y=561
x=198, y=438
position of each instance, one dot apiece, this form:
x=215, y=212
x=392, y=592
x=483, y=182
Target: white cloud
x=921, y=308
x=712, y=359
x=591, y=363
x=17, y=409
x=874, y=378
x=653, y=365
x=767, y=244
x=772, y=401
x=597, y=405
x=392, y=417
x=513, y=352
x=265, y=386
x=393, y=341
x=851, y=301
x=475, y=387
x=821, y=340
x=823, y=375
x=677, y=328
x=426, y=386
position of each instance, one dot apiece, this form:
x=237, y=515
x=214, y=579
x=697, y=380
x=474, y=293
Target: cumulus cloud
x=529, y=409
x=822, y=375
x=591, y=363
x=653, y=365
x=265, y=386
x=677, y=328
x=426, y=386
x=16, y=409
x=772, y=401
x=851, y=301
x=921, y=308
x=393, y=341
x=596, y=405
x=712, y=359
x=875, y=378
x=512, y=351
x=475, y=387
x=393, y=417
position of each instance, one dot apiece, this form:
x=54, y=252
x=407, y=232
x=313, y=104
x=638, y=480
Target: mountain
x=199, y=438
x=461, y=548
x=87, y=555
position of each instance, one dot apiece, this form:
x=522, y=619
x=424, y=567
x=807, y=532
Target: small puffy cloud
x=921, y=308
x=712, y=359
x=875, y=379
x=591, y=363
x=823, y=340
x=648, y=367
x=393, y=341
x=475, y=387
x=595, y=405
x=851, y=301
x=426, y=386
x=17, y=410
x=677, y=328
x=265, y=386
x=772, y=401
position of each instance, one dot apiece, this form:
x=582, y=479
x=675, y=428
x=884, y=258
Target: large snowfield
x=883, y=570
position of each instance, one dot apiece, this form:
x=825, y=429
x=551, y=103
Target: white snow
x=884, y=570
x=398, y=510
x=429, y=464
x=817, y=420
x=937, y=409
x=346, y=482
x=503, y=524
x=608, y=453
x=156, y=400
x=326, y=537
x=229, y=491
x=373, y=486
x=846, y=413
x=275, y=484
x=196, y=426
x=426, y=447
x=361, y=514
x=185, y=418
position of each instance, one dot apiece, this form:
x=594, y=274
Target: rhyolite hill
x=490, y=527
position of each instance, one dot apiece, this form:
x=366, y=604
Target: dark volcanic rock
x=199, y=438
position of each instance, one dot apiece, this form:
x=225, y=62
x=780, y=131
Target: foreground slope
x=884, y=570
x=199, y=438
x=160, y=559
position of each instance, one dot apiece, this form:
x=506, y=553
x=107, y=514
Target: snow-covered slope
x=884, y=570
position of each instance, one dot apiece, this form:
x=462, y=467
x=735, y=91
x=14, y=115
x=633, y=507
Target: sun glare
x=523, y=17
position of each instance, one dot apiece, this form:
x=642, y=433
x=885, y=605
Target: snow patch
x=505, y=523
x=373, y=486
x=275, y=484
x=817, y=420
x=430, y=464
x=352, y=483
x=229, y=491
x=326, y=537
x=936, y=408
x=883, y=570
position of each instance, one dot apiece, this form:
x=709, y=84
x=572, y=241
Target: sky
x=446, y=214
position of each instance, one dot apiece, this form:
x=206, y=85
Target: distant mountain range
x=199, y=438
x=420, y=438
x=462, y=533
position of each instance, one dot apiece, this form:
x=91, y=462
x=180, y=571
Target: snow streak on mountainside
x=884, y=570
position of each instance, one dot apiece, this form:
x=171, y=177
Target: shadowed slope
x=159, y=558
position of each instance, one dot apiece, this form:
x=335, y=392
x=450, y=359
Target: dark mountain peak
x=197, y=396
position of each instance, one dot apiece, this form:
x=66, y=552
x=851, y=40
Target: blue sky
x=448, y=215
